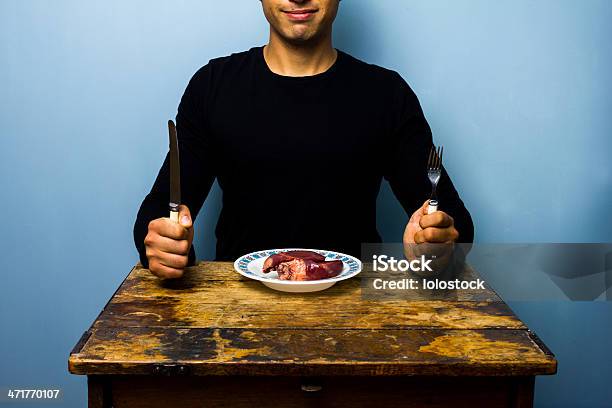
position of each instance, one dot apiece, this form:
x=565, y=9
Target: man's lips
x=300, y=15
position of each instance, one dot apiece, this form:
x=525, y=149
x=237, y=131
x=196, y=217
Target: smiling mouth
x=300, y=15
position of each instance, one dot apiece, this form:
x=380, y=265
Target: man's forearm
x=463, y=221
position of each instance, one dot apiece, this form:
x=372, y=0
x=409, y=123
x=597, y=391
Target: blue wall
x=518, y=91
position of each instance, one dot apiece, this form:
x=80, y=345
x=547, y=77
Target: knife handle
x=432, y=207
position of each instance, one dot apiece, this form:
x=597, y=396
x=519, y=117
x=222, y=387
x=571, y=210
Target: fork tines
x=435, y=158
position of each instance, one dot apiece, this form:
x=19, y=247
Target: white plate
x=251, y=266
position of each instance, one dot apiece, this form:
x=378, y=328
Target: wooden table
x=216, y=339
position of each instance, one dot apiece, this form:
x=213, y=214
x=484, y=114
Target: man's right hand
x=167, y=244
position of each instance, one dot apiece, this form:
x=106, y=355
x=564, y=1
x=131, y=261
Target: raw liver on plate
x=302, y=266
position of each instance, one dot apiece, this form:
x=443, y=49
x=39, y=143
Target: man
x=299, y=136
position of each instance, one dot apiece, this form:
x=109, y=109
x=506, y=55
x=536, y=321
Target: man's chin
x=301, y=37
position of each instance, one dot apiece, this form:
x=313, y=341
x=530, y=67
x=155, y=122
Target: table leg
x=524, y=390
x=98, y=392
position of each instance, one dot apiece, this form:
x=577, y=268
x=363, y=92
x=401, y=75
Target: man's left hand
x=437, y=227
x=433, y=235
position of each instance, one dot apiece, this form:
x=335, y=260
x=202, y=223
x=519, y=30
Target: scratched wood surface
x=216, y=322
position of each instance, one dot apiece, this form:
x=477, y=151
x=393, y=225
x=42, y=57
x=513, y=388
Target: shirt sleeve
x=408, y=147
x=196, y=152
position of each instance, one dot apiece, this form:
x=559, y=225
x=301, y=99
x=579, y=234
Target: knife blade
x=175, y=173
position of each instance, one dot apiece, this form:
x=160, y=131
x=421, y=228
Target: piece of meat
x=307, y=269
x=273, y=261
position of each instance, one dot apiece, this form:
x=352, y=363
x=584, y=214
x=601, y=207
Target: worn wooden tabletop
x=216, y=322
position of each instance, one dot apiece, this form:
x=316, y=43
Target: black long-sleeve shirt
x=299, y=159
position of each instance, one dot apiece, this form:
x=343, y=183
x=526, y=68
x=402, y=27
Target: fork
x=434, y=171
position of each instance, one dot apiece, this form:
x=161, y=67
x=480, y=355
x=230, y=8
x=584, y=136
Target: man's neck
x=298, y=60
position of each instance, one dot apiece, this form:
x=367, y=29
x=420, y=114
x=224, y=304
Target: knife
x=175, y=173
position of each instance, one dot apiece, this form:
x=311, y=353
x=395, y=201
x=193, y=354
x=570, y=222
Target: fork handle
x=432, y=207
